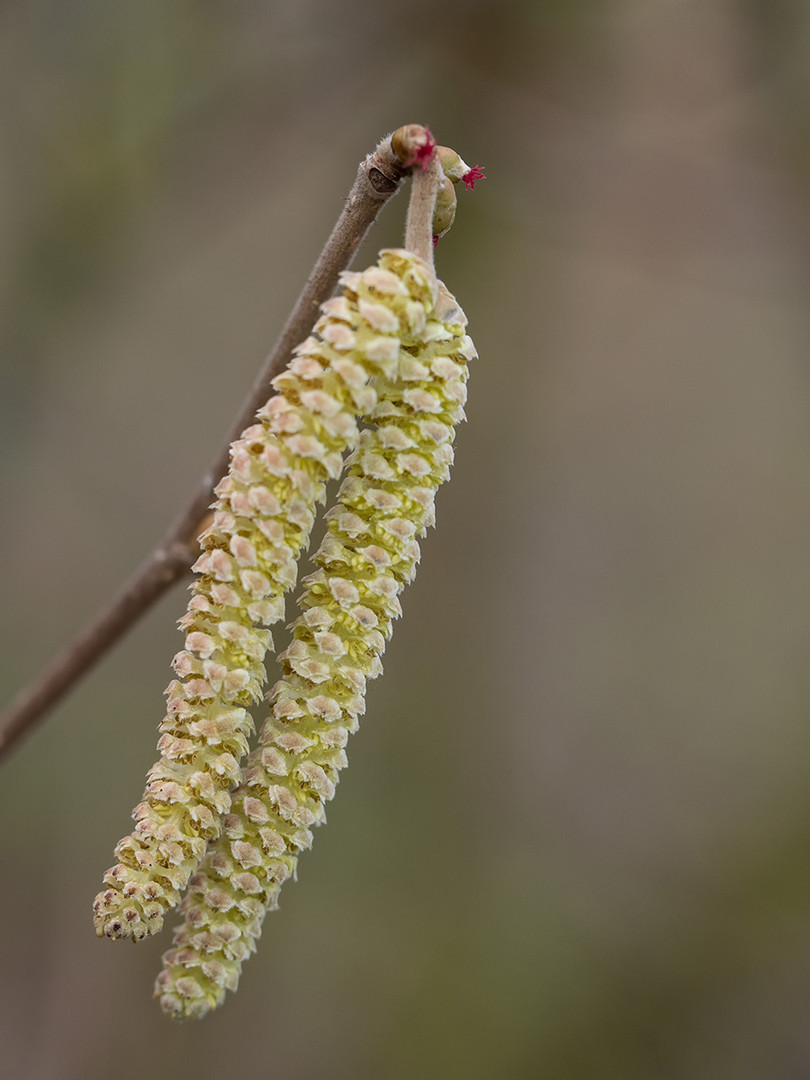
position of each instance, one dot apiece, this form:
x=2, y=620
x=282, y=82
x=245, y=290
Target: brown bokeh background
x=574, y=837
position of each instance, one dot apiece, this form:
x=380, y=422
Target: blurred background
x=574, y=837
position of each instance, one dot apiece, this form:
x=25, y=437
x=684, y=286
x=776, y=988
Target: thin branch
x=378, y=178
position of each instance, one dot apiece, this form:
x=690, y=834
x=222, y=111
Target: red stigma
x=435, y=241
x=424, y=153
x=473, y=174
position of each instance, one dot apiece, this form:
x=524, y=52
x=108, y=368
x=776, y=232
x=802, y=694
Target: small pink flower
x=473, y=174
x=424, y=153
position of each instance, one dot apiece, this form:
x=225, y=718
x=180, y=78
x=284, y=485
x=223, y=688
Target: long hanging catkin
x=348, y=607
x=263, y=516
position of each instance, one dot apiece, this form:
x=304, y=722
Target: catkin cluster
x=262, y=520
x=347, y=610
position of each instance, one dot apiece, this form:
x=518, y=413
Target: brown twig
x=378, y=178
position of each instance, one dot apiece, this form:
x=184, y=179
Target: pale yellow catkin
x=348, y=606
x=263, y=516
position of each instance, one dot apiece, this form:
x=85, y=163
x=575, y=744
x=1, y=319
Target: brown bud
x=412, y=143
